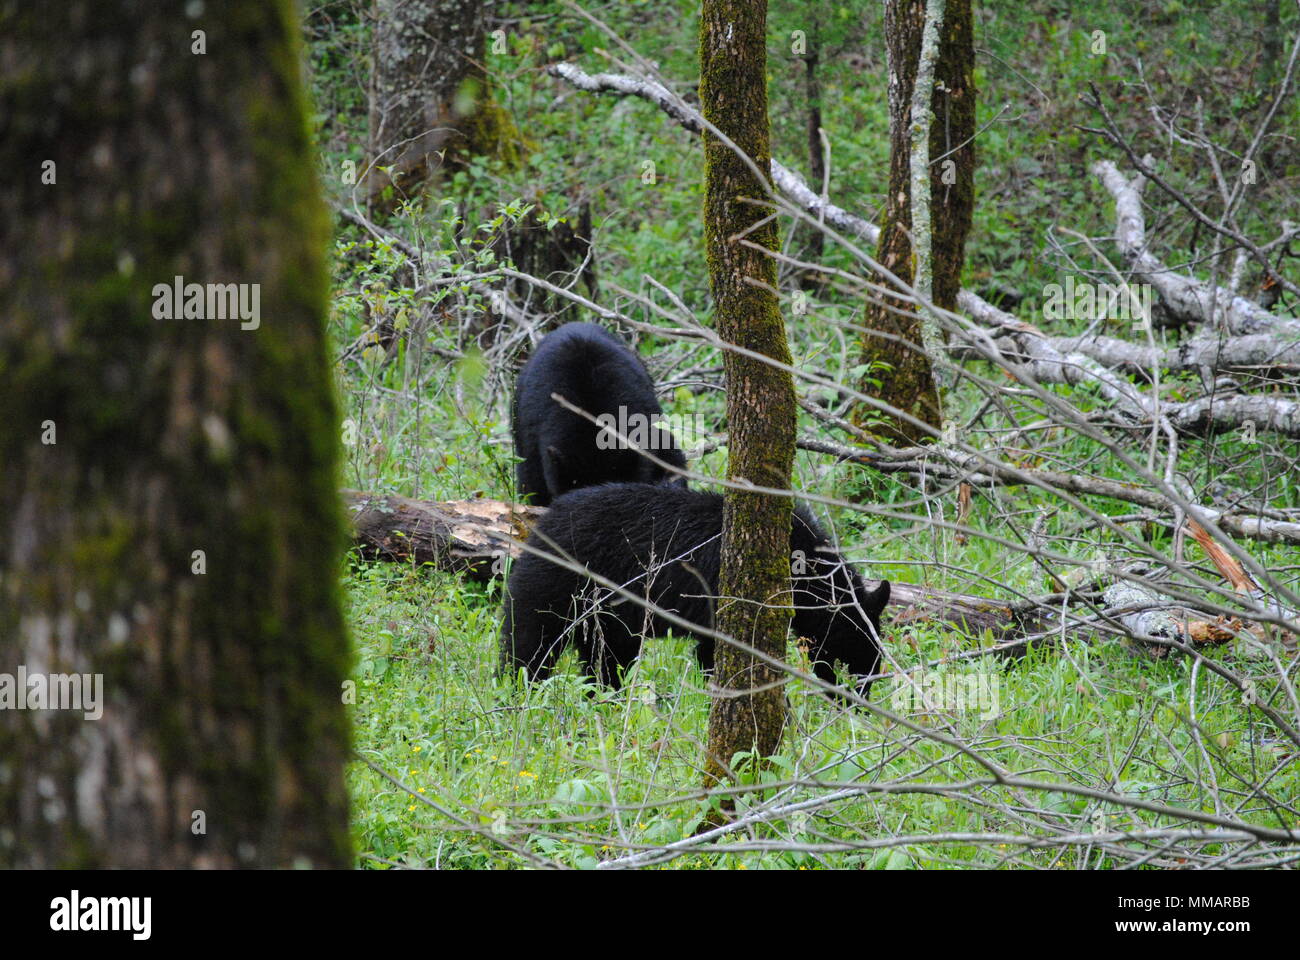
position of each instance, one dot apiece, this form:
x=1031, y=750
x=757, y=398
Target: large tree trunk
x=908, y=382
x=755, y=577
x=430, y=107
x=170, y=519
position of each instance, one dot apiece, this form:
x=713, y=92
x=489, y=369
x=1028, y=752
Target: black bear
x=597, y=372
x=663, y=543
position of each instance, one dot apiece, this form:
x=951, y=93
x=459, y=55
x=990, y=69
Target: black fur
x=621, y=531
x=596, y=371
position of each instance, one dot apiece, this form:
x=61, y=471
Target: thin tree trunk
x=900, y=364
x=170, y=523
x=816, y=155
x=755, y=575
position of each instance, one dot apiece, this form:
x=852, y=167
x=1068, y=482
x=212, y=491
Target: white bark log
x=1184, y=296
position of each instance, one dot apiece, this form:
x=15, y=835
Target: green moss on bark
x=755, y=573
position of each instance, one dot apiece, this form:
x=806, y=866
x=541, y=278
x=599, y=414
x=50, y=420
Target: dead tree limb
x=1184, y=296
x=1063, y=360
x=1039, y=357
x=464, y=536
x=1259, y=350
x=1146, y=168
x=959, y=467
x=786, y=180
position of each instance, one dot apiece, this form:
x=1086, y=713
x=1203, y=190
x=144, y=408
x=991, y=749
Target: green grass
x=543, y=767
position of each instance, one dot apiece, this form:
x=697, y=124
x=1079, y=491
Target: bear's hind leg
x=531, y=639
x=608, y=647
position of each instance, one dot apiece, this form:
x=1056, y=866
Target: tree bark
x=430, y=106
x=900, y=364
x=171, y=521
x=749, y=710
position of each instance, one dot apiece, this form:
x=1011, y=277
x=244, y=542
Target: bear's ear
x=877, y=598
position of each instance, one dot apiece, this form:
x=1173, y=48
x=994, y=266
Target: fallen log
x=472, y=538
x=469, y=537
x=979, y=618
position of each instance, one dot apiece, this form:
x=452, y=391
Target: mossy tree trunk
x=755, y=577
x=906, y=374
x=171, y=519
x=430, y=105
